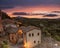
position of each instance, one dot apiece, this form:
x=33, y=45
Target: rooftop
x=28, y=28
x=11, y=28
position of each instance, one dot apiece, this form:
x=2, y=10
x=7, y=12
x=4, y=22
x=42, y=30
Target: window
x=29, y=35
x=38, y=34
x=38, y=42
x=0, y=31
x=32, y=34
x=34, y=41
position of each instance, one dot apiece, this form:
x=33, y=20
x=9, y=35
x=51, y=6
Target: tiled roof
x=28, y=28
x=12, y=28
x=6, y=21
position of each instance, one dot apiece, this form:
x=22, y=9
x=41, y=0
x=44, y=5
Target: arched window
x=34, y=41
x=38, y=34
x=29, y=35
x=32, y=34
x=38, y=42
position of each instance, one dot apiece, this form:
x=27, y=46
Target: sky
x=13, y=3
x=10, y=6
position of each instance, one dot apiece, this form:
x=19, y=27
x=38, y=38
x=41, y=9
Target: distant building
x=12, y=29
x=31, y=36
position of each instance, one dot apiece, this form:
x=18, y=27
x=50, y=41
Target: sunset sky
x=11, y=6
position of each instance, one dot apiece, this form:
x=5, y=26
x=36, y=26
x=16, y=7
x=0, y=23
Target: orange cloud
x=31, y=9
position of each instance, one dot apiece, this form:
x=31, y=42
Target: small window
x=0, y=31
x=34, y=41
x=38, y=34
x=29, y=35
x=32, y=34
x=38, y=42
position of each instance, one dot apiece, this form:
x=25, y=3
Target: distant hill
x=50, y=15
x=20, y=13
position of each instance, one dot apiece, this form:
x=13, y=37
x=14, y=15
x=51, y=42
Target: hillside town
x=15, y=35
x=11, y=33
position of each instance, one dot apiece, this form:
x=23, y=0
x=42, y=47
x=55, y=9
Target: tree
x=4, y=15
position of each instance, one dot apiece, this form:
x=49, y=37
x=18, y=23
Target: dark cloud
x=37, y=14
x=24, y=13
x=50, y=15
x=55, y=11
x=28, y=2
x=20, y=13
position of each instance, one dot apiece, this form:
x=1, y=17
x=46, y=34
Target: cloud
x=55, y=11
x=50, y=15
x=20, y=13
x=37, y=14
x=24, y=13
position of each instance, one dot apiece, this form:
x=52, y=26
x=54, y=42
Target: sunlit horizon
x=35, y=9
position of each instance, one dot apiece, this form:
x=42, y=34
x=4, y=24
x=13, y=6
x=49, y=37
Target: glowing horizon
x=31, y=9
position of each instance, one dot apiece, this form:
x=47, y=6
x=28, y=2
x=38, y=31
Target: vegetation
x=4, y=15
x=49, y=27
x=4, y=44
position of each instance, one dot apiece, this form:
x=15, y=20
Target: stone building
x=31, y=36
